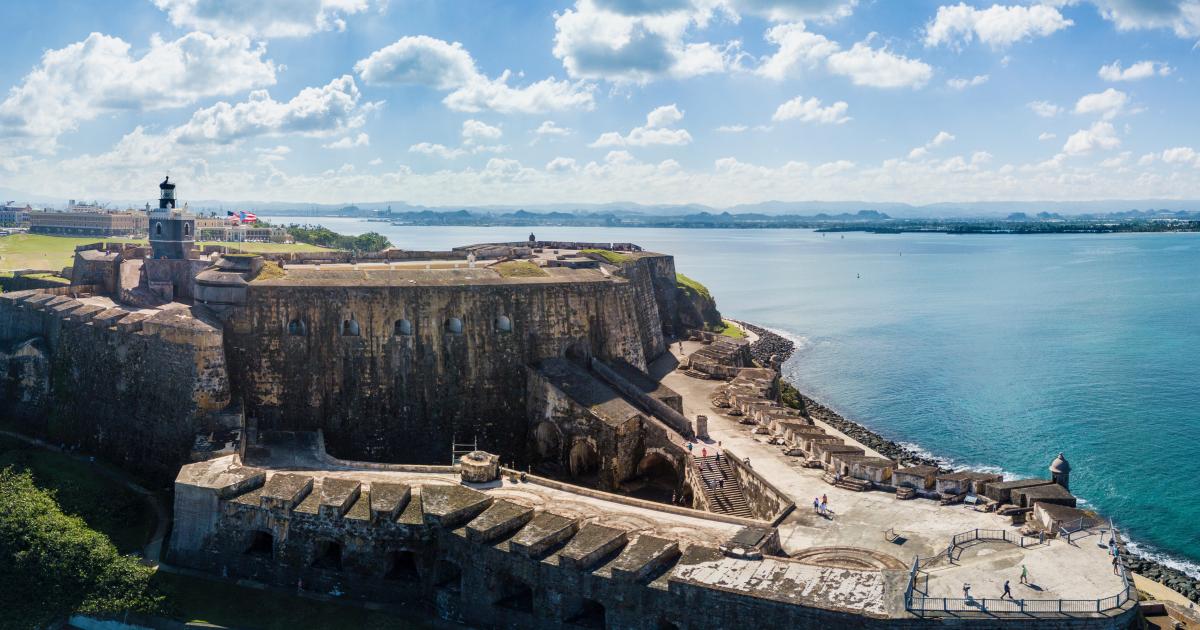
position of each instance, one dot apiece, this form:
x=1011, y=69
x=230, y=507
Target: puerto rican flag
x=241, y=217
x=249, y=217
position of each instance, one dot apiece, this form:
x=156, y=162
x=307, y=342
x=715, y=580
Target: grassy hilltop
x=41, y=251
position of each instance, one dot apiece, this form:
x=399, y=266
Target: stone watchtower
x=1060, y=472
x=172, y=231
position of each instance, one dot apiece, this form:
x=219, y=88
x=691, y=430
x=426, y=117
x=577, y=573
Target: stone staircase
x=846, y=483
x=723, y=498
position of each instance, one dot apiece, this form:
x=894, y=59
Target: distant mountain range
x=619, y=209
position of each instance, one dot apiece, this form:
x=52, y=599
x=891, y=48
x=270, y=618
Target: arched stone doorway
x=657, y=478
x=583, y=461
x=548, y=441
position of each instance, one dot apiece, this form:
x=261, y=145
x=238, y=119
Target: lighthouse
x=172, y=231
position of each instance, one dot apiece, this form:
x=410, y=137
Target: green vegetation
x=49, y=276
x=270, y=271
x=729, y=329
x=790, y=396
x=519, y=269
x=106, y=506
x=691, y=286
x=325, y=237
x=52, y=564
x=226, y=604
x=42, y=251
x=616, y=258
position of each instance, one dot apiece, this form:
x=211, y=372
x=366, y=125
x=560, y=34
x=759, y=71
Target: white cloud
x=997, y=26
x=942, y=137
x=810, y=110
x=1136, y=71
x=315, y=111
x=1116, y=161
x=375, y=162
x=1046, y=135
x=423, y=60
x=1181, y=155
x=1180, y=16
x=440, y=150
x=550, y=128
x=830, y=169
x=608, y=40
x=796, y=48
x=99, y=75
x=656, y=131
x=261, y=18
x=1147, y=159
x=879, y=68
x=733, y=128
x=1108, y=103
x=1100, y=135
x=962, y=84
x=562, y=164
x=361, y=140
x=474, y=131
x=1045, y=109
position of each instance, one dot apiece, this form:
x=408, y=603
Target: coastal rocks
x=1176, y=580
x=863, y=435
x=769, y=346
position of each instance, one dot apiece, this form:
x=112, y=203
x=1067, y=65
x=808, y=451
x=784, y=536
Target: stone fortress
x=531, y=434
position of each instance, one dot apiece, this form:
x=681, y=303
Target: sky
x=717, y=102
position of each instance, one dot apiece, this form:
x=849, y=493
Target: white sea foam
x=953, y=464
x=1147, y=551
x=800, y=340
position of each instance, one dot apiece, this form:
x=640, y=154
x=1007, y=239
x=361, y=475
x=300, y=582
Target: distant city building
x=83, y=206
x=89, y=223
x=213, y=228
x=14, y=216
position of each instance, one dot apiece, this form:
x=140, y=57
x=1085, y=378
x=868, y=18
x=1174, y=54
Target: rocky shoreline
x=771, y=345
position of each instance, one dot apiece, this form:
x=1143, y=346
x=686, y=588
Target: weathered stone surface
x=592, y=543
x=450, y=506
x=645, y=555
x=543, y=532
x=502, y=518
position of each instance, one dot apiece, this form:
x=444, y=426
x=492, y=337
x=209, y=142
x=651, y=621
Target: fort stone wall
x=132, y=387
x=396, y=373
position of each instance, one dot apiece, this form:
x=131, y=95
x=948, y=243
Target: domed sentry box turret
x=225, y=282
x=1060, y=472
x=479, y=467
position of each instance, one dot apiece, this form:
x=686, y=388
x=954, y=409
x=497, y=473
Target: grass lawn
x=223, y=603
x=106, y=506
x=688, y=284
x=42, y=251
x=731, y=330
x=615, y=258
x=519, y=269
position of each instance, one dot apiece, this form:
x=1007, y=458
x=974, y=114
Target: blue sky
x=656, y=101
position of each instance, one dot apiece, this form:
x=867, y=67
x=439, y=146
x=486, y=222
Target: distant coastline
x=1146, y=564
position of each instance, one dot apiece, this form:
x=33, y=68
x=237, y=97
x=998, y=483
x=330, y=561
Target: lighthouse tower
x=172, y=231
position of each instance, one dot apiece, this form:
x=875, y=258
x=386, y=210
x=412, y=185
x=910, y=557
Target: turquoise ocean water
x=990, y=351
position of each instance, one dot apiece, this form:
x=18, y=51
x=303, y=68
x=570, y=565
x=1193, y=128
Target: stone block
x=503, y=517
x=543, y=532
x=644, y=556
x=451, y=506
x=592, y=543
x=387, y=500
x=284, y=491
x=337, y=495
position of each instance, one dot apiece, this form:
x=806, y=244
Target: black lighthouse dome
x=172, y=232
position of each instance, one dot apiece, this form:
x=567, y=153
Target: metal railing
x=919, y=603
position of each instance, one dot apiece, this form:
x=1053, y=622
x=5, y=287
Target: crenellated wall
x=132, y=387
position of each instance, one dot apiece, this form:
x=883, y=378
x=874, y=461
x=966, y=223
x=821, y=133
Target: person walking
x=1007, y=591
x=1116, y=560
x=704, y=452
x=689, y=448
x=824, y=505
x=1024, y=575
x=816, y=505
